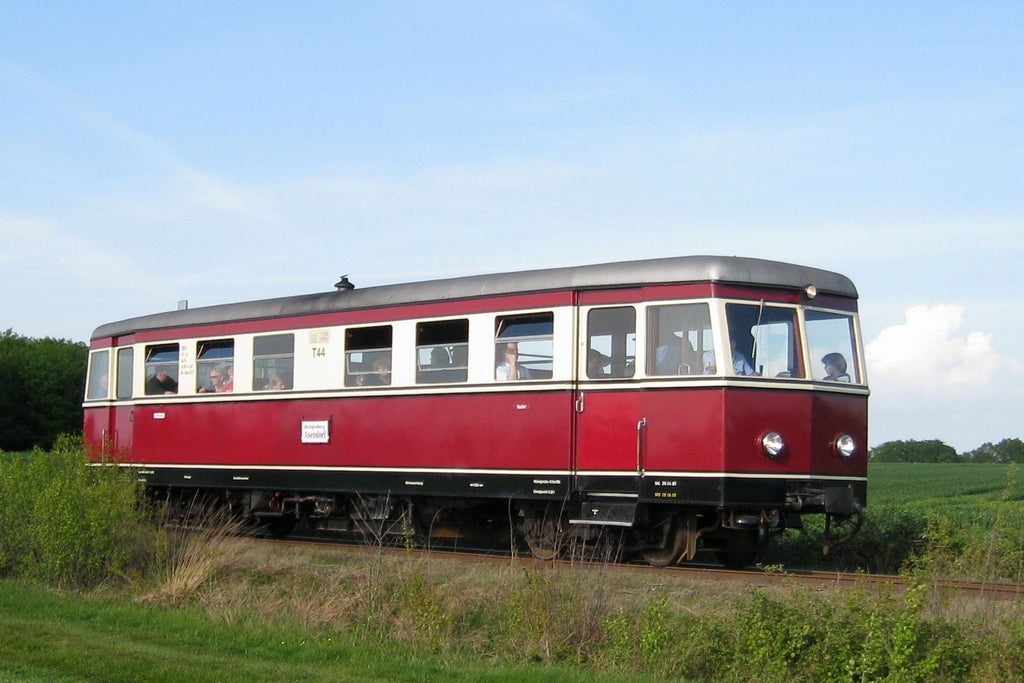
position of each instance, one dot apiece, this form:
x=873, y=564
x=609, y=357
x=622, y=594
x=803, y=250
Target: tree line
x=42, y=382
x=933, y=450
x=41, y=386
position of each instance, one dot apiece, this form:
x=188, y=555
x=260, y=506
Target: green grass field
x=47, y=636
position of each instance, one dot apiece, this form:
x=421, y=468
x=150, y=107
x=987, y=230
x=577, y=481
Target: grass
x=51, y=636
x=210, y=607
x=304, y=615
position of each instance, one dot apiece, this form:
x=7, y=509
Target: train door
x=122, y=415
x=98, y=416
x=608, y=420
x=683, y=417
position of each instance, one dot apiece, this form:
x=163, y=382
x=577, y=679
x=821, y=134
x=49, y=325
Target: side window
x=125, y=360
x=99, y=376
x=368, y=356
x=830, y=337
x=215, y=366
x=524, y=346
x=161, y=369
x=679, y=340
x=442, y=351
x=763, y=340
x=611, y=342
x=273, y=362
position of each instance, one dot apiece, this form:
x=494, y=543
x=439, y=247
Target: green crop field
x=944, y=487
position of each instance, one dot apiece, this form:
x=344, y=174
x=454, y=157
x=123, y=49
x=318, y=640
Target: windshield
x=831, y=340
x=765, y=341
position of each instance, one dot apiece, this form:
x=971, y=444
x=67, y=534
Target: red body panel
x=700, y=430
x=459, y=431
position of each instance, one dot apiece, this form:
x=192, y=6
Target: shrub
x=889, y=537
x=66, y=522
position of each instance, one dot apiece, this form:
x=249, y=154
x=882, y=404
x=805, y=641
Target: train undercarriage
x=660, y=535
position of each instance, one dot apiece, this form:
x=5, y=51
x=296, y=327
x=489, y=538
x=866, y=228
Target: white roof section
x=680, y=269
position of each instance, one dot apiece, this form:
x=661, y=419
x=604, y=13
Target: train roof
x=680, y=269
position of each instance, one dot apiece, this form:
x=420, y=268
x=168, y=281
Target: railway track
x=763, y=576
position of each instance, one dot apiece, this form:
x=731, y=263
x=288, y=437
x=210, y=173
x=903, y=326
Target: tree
x=1007, y=450
x=914, y=451
x=41, y=386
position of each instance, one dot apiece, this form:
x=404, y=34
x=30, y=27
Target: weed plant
x=67, y=523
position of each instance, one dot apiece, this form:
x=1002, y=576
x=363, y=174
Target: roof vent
x=343, y=285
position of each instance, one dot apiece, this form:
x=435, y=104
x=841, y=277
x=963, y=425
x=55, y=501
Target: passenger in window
x=675, y=357
x=740, y=363
x=275, y=383
x=229, y=379
x=161, y=383
x=509, y=367
x=381, y=373
x=596, y=362
x=439, y=358
x=218, y=381
x=835, y=367
x=668, y=356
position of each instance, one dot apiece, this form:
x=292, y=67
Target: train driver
x=740, y=363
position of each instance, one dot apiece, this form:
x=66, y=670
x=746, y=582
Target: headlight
x=845, y=446
x=772, y=444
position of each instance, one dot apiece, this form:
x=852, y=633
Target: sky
x=221, y=151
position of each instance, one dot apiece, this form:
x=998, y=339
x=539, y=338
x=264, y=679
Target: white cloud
x=929, y=352
x=931, y=379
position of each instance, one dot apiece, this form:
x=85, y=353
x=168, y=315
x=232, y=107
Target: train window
x=442, y=351
x=215, y=366
x=525, y=344
x=679, y=340
x=125, y=359
x=99, y=376
x=368, y=356
x=764, y=340
x=611, y=342
x=161, y=369
x=831, y=335
x=273, y=362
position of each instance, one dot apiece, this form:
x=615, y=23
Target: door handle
x=641, y=429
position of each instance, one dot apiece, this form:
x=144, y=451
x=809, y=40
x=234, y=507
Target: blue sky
x=225, y=151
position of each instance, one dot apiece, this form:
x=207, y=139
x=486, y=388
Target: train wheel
x=738, y=549
x=841, y=528
x=671, y=546
x=279, y=527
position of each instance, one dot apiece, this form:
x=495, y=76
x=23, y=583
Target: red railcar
x=691, y=403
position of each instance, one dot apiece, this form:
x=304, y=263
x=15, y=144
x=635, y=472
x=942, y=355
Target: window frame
x=373, y=343
x=615, y=355
x=444, y=344
x=208, y=356
x=515, y=328
x=155, y=361
x=264, y=364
